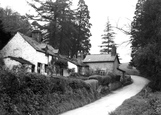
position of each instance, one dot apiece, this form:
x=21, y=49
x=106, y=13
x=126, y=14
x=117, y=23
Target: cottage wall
x=18, y=47
x=116, y=65
x=106, y=66
x=72, y=66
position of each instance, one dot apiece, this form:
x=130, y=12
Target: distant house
x=104, y=62
x=29, y=51
x=76, y=65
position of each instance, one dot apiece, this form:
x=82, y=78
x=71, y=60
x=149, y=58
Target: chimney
x=80, y=56
x=113, y=50
x=36, y=35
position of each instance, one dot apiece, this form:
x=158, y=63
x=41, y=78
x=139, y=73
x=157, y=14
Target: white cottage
x=22, y=49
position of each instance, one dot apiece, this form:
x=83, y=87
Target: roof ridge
x=38, y=46
x=99, y=54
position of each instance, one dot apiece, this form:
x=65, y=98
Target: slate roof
x=100, y=58
x=78, y=63
x=42, y=47
x=21, y=60
x=74, y=61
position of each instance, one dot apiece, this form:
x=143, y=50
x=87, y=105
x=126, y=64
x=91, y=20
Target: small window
x=46, y=66
x=39, y=66
x=33, y=68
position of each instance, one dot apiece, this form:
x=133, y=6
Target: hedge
x=30, y=93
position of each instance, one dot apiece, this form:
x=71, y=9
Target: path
x=110, y=102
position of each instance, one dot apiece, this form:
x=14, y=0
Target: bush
x=74, y=75
x=96, y=77
x=92, y=83
x=127, y=80
x=114, y=78
x=106, y=80
x=35, y=94
x=78, y=76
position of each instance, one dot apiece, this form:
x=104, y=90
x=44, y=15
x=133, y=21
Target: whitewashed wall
x=18, y=47
x=71, y=66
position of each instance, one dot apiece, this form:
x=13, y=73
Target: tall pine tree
x=67, y=29
x=146, y=42
x=82, y=41
x=107, y=38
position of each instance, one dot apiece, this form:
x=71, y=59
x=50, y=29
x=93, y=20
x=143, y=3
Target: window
x=33, y=68
x=46, y=67
x=39, y=67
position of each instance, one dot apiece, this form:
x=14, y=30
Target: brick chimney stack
x=36, y=35
x=113, y=51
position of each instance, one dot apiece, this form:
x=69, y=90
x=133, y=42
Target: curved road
x=110, y=102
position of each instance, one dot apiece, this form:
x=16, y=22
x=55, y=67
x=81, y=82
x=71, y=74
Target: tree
x=107, y=38
x=146, y=42
x=11, y=23
x=59, y=17
x=67, y=29
x=81, y=43
x=4, y=36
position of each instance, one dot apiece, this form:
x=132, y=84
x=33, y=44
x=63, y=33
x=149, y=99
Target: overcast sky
x=120, y=13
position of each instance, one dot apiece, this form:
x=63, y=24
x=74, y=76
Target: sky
x=119, y=12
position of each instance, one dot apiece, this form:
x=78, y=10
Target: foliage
x=113, y=77
x=107, y=38
x=30, y=93
x=93, y=83
x=144, y=103
x=106, y=79
x=146, y=40
x=11, y=23
x=1, y=63
x=127, y=80
x=96, y=77
x=67, y=30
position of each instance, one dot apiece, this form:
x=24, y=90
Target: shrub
x=35, y=94
x=106, y=80
x=93, y=83
x=77, y=76
x=74, y=75
x=114, y=77
x=96, y=77
x=127, y=80
x=1, y=63
x=105, y=90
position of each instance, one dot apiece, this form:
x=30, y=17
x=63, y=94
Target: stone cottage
x=104, y=62
x=28, y=51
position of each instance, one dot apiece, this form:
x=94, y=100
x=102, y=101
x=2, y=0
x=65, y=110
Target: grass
x=144, y=103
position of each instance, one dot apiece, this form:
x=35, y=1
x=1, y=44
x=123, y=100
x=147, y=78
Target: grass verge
x=144, y=103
